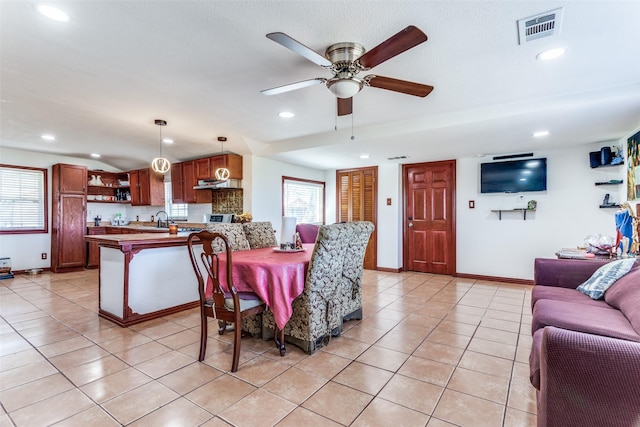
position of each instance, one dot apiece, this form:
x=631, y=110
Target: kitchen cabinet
x=69, y=213
x=108, y=187
x=147, y=188
x=205, y=168
x=183, y=179
x=93, y=250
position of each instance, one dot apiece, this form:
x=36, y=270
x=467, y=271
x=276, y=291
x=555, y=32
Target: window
x=23, y=200
x=303, y=199
x=176, y=211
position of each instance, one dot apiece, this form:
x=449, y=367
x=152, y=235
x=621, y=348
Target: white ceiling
x=98, y=82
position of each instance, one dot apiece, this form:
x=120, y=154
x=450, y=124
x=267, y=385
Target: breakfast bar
x=144, y=276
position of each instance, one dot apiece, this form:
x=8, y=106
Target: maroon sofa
x=585, y=356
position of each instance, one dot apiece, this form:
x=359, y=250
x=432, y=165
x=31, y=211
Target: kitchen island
x=144, y=276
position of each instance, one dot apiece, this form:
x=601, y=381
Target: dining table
x=276, y=276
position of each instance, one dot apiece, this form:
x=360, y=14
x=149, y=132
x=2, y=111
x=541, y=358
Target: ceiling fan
x=345, y=60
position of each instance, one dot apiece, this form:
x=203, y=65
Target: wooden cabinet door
x=357, y=196
x=203, y=168
x=145, y=190
x=189, y=181
x=72, y=179
x=93, y=250
x=69, y=232
x=177, y=183
x=134, y=184
x=232, y=162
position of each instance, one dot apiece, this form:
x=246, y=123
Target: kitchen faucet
x=159, y=221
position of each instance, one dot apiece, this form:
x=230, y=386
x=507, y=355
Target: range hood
x=214, y=184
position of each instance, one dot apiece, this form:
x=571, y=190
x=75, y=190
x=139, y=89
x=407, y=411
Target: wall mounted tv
x=514, y=176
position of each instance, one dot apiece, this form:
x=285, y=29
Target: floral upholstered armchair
x=318, y=311
x=351, y=289
x=233, y=232
x=260, y=234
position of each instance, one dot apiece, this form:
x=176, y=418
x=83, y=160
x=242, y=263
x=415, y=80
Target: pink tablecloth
x=276, y=277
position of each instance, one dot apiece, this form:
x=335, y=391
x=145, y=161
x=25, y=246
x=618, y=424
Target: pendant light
x=222, y=174
x=160, y=164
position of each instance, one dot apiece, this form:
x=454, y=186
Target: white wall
x=566, y=213
x=263, y=187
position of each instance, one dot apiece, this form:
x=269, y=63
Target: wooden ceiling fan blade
x=403, y=86
x=345, y=106
x=292, y=86
x=300, y=49
x=394, y=45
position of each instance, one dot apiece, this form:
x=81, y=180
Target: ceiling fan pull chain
x=352, y=137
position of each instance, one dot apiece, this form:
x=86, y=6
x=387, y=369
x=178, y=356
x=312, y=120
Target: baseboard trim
x=495, y=278
x=389, y=270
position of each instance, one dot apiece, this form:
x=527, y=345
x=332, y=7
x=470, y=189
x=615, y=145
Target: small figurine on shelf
x=92, y=181
x=99, y=180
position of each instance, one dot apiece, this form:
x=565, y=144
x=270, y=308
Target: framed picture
x=633, y=167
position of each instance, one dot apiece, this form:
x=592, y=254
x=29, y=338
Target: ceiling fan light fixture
x=344, y=88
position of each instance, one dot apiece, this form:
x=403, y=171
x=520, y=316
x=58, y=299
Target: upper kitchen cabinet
x=183, y=179
x=72, y=179
x=69, y=213
x=147, y=188
x=205, y=168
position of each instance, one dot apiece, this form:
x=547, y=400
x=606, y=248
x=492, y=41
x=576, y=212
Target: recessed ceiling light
x=95, y=155
x=167, y=141
x=541, y=133
x=286, y=114
x=53, y=13
x=364, y=156
x=551, y=54
x=47, y=137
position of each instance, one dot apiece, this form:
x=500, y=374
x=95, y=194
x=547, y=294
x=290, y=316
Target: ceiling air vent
x=397, y=157
x=542, y=25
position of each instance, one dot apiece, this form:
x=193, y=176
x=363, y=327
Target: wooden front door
x=357, y=194
x=429, y=217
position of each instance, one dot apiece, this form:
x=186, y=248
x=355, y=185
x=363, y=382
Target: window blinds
x=22, y=199
x=303, y=200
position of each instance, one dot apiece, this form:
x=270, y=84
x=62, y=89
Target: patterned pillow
x=605, y=276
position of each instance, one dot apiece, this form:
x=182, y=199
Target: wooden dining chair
x=223, y=303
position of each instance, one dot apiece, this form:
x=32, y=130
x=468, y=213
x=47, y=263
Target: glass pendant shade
x=160, y=164
x=222, y=174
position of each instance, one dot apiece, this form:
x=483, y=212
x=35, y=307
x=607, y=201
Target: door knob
x=410, y=224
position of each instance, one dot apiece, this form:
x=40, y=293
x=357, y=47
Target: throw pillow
x=605, y=276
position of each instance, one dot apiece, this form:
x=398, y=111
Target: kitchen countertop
x=127, y=242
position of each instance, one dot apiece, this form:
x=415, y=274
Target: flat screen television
x=514, y=176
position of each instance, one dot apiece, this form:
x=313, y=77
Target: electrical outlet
x=44, y=255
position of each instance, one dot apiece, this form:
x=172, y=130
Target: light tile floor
x=431, y=351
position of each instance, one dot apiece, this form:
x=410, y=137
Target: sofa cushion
x=625, y=296
x=582, y=318
x=564, y=294
x=605, y=276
